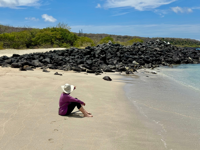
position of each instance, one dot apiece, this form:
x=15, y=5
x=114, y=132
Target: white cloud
x=195, y=7
x=120, y=14
x=48, y=18
x=151, y=30
x=32, y=18
x=98, y=6
x=137, y=4
x=162, y=13
x=189, y=10
x=177, y=9
x=18, y=3
x=181, y=10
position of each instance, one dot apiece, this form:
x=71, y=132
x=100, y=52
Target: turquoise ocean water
x=186, y=74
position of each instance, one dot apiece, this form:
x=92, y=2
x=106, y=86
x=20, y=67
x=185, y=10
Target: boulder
x=15, y=55
x=108, y=69
x=46, y=61
x=97, y=73
x=129, y=72
x=5, y=65
x=15, y=65
x=78, y=69
x=27, y=67
x=22, y=69
x=36, y=63
x=107, y=78
x=90, y=71
x=57, y=74
x=8, y=61
x=44, y=70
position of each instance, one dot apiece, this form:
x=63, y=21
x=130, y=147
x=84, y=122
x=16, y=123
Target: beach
x=30, y=120
x=130, y=112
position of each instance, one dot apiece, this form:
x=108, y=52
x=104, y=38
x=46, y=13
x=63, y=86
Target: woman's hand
x=83, y=104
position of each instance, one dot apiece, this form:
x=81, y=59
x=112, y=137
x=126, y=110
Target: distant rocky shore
x=106, y=58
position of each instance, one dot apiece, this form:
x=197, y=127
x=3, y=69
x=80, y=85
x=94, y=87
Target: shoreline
x=168, y=108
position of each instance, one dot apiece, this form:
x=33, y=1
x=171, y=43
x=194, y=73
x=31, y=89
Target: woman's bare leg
x=85, y=113
x=86, y=110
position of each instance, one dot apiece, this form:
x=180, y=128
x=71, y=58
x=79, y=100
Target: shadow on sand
x=76, y=115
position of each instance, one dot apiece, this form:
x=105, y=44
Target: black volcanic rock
x=15, y=65
x=107, y=58
x=44, y=70
x=15, y=55
x=107, y=78
x=22, y=69
x=36, y=63
x=27, y=67
x=57, y=74
x=8, y=61
x=97, y=73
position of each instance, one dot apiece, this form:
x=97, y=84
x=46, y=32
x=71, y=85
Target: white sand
x=30, y=121
x=10, y=52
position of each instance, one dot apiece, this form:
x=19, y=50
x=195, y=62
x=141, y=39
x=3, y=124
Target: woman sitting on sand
x=68, y=103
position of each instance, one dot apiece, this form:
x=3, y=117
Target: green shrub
x=16, y=39
x=134, y=40
x=84, y=42
x=47, y=45
x=45, y=38
x=1, y=45
x=66, y=45
x=55, y=46
x=106, y=40
x=57, y=36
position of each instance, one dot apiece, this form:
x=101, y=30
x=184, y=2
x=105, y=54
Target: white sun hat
x=67, y=88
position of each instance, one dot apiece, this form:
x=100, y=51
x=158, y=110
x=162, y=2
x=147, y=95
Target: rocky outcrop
x=106, y=58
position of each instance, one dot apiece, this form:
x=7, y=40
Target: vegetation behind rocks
x=106, y=40
x=84, y=42
x=180, y=42
x=38, y=38
x=61, y=36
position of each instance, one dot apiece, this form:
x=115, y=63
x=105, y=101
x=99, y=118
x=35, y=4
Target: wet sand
x=169, y=109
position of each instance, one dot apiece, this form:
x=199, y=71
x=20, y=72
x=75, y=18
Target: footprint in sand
x=52, y=122
x=55, y=129
x=50, y=140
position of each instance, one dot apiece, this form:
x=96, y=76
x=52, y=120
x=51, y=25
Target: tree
x=106, y=40
x=63, y=26
x=134, y=40
x=84, y=42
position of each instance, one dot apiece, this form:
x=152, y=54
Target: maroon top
x=65, y=100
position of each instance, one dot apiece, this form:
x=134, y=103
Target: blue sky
x=146, y=18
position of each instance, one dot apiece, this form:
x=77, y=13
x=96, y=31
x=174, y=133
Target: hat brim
x=68, y=92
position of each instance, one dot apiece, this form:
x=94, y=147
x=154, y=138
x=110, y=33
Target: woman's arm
x=71, y=99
